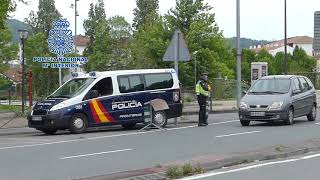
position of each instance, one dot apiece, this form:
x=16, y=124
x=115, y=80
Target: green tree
x=301, y=62
x=8, y=51
x=150, y=42
x=47, y=79
x=196, y=21
x=42, y=20
x=121, y=37
x=6, y=6
x=99, y=50
x=143, y=9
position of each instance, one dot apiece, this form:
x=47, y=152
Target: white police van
x=108, y=98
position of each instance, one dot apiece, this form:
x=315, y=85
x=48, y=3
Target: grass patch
x=174, y=172
x=8, y=108
x=280, y=148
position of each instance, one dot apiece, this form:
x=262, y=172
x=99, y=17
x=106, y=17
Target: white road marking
x=186, y=127
x=94, y=154
x=249, y=167
x=27, y=139
x=104, y=137
x=317, y=123
x=236, y=134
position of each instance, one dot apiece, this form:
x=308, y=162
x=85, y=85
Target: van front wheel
x=160, y=118
x=49, y=131
x=78, y=123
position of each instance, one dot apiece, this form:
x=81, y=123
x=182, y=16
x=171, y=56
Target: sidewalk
x=191, y=108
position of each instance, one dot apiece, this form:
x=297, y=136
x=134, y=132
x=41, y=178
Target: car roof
x=279, y=77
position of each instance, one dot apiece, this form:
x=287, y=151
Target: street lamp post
x=195, y=67
x=23, y=36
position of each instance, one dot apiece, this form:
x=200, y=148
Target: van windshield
x=271, y=86
x=72, y=88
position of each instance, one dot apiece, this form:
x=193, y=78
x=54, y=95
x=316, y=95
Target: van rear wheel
x=159, y=118
x=78, y=123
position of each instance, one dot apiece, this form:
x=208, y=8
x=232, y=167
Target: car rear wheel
x=78, y=123
x=159, y=118
x=289, y=120
x=244, y=123
x=313, y=114
x=49, y=131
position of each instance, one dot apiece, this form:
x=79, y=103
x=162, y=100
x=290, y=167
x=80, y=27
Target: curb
x=210, y=112
x=270, y=153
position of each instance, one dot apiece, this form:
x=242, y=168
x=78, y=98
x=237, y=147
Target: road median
x=214, y=162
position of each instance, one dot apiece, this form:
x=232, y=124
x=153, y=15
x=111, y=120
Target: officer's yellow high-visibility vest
x=200, y=90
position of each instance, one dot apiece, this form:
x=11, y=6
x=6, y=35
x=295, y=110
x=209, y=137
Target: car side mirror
x=296, y=91
x=244, y=91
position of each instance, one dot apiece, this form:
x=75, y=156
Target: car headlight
x=276, y=105
x=243, y=105
x=58, y=106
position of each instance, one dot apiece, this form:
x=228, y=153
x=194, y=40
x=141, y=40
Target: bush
x=174, y=172
x=187, y=169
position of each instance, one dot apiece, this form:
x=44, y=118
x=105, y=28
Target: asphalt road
x=27, y=154
x=296, y=168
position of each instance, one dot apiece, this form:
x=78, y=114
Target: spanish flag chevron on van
x=99, y=113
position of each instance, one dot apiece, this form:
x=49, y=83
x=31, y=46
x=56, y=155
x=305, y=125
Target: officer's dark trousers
x=202, y=100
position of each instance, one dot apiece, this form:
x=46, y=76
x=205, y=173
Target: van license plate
x=36, y=118
x=257, y=114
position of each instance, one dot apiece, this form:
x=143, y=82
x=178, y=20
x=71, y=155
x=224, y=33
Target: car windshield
x=271, y=86
x=72, y=88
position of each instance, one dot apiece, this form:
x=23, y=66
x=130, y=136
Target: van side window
x=304, y=84
x=158, y=81
x=104, y=87
x=296, y=84
x=131, y=83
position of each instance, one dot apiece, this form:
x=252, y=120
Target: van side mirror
x=91, y=95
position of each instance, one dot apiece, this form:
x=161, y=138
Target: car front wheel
x=289, y=120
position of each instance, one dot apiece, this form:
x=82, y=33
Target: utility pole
x=238, y=56
x=285, y=39
x=75, y=24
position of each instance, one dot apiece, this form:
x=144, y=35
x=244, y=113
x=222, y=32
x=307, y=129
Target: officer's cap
x=204, y=74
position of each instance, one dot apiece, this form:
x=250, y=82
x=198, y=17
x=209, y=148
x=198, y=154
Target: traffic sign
x=177, y=50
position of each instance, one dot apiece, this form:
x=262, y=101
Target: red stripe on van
x=94, y=113
x=106, y=113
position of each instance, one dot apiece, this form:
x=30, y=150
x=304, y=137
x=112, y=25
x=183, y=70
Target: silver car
x=279, y=98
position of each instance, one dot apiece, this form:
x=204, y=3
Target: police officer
x=202, y=91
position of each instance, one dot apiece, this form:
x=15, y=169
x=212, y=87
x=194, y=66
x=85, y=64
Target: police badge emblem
x=60, y=38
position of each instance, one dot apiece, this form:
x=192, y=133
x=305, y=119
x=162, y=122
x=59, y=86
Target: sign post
x=177, y=51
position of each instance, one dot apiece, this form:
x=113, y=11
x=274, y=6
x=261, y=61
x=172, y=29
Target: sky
x=260, y=19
